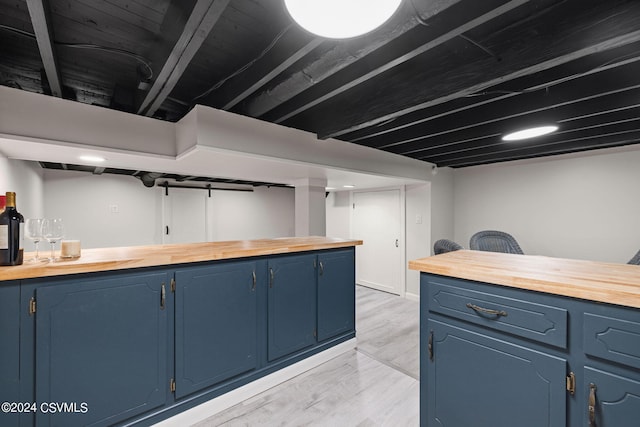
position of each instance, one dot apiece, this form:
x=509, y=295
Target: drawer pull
x=592, y=405
x=492, y=312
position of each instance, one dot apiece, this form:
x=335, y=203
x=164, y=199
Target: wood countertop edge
x=123, y=258
x=609, y=283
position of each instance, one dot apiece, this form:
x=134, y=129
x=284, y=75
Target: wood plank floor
x=374, y=385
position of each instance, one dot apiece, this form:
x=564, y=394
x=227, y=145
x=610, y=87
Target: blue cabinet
x=476, y=380
x=216, y=324
x=9, y=349
x=500, y=356
x=134, y=347
x=101, y=346
x=336, y=293
x=611, y=390
x=291, y=304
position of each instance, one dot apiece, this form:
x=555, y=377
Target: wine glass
x=33, y=232
x=53, y=232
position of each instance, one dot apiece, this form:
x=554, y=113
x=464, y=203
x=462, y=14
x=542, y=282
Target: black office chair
x=635, y=260
x=445, y=245
x=495, y=241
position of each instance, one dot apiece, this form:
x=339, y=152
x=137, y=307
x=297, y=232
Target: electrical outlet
x=114, y=209
x=418, y=219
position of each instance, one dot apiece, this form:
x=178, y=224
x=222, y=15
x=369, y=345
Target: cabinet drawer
x=612, y=338
x=523, y=318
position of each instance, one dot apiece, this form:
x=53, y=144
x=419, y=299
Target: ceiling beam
x=608, y=140
x=596, y=29
x=204, y=15
x=396, y=54
x=294, y=45
x=594, y=127
x=601, y=79
x=343, y=54
x=592, y=94
x=40, y=14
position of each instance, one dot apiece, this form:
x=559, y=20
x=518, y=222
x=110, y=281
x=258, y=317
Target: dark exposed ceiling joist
x=601, y=140
x=341, y=55
x=606, y=74
x=204, y=15
x=579, y=130
x=459, y=23
x=575, y=39
x=591, y=94
x=41, y=20
x=294, y=45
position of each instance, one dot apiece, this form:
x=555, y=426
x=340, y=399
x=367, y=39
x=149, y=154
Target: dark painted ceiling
x=441, y=81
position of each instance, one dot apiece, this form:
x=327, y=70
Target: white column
x=310, y=207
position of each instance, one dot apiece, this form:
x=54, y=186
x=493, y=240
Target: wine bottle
x=11, y=229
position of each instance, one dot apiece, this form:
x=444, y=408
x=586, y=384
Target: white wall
x=581, y=206
x=418, y=211
x=442, y=207
x=263, y=213
x=338, y=214
x=84, y=202
x=25, y=179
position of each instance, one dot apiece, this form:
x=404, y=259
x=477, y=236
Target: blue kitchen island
x=132, y=336
x=529, y=341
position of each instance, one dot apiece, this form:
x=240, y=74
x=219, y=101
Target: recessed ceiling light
x=329, y=188
x=92, y=159
x=529, y=133
x=349, y=186
x=339, y=19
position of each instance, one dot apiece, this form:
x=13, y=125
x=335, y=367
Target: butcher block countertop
x=106, y=259
x=596, y=281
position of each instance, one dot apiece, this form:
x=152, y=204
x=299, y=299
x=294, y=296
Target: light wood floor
x=374, y=385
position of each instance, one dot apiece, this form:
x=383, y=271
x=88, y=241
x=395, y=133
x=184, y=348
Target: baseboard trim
x=240, y=394
x=412, y=297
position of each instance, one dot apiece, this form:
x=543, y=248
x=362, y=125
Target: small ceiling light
x=92, y=159
x=530, y=133
x=348, y=186
x=341, y=19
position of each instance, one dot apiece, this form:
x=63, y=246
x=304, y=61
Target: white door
x=377, y=221
x=185, y=216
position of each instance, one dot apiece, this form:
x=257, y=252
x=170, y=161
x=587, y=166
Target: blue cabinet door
x=291, y=304
x=101, y=349
x=475, y=380
x=216, y=327
x=9, y=349
x=336, y=293
x=615, y=398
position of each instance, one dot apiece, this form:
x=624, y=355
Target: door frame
x=403, y=227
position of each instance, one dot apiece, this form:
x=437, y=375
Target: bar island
x=135, y=335
x=530, y=341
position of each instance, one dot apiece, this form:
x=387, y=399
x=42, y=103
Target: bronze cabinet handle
x=253, y=276
x=430, y=345
x=271, y=277
x=479, y=309
x=321, y=268
x=163, y=297
x=592, y=405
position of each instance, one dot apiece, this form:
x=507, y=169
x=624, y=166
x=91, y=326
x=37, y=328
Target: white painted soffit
x=206, y=142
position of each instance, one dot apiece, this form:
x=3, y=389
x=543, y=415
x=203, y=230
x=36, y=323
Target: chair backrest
x=495, y=241
x=445, y=245
x=635, y=260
